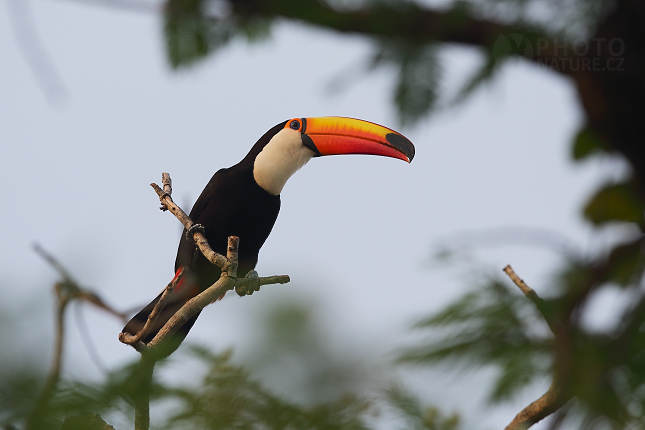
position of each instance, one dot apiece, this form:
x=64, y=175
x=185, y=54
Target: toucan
x=244, y=200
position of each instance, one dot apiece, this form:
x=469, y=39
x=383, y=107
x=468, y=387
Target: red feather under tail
x=185, y=290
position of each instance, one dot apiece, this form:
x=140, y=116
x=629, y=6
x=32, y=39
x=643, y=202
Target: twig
x=200, y=240
x=228, y=265
x=547, y=404
x=37, y=416
x=225, y=283
x=66, y=291
x=170, y=288
x=528, y=291
x=53, y=262
x=539, y=303
x=555, y=397
x=86, y=337
x=263, y=280
x=228, y=280
x=71, y=287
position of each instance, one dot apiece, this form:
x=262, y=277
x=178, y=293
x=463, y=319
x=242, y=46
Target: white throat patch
x=283, y=156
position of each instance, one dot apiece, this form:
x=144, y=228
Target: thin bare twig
x=528, y=291
x=225, y=283
x=228, y=265
x=247, y=283
x=35, y=419
x=66, y=291
x=71, y=288
x=200, y=240
x=539, y=303
x=555, y=397
x=86, y=337
x=152, y=318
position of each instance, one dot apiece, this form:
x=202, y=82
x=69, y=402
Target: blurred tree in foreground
x=598, y=377
x=600, y=47
x=226, y=396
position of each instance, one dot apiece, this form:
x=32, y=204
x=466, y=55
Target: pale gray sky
x=353, y=232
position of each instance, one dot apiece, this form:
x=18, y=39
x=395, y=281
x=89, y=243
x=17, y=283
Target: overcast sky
x=354, y=232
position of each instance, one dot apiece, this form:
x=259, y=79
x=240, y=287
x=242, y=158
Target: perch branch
x=555, y=396
x=228, y=280
x=200, y=240
x=262, y=280
x=170, y=288
x=225, y=283
x=228, y=265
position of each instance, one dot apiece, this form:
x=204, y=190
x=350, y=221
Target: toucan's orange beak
x=337, y=135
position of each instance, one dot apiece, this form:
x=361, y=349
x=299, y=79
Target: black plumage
x=232, y=204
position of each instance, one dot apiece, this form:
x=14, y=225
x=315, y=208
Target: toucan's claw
x=251, y=285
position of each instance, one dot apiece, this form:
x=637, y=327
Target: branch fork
x=228, y=280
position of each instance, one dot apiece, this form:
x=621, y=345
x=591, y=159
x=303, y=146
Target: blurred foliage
x=226, y=396
x=295, y=356
x=196, y=28
x=416, y=416
x=615, y=203
x=601, y=370
x=193, y=30
x=492, y=325
x=415, y=93
x=587, y=143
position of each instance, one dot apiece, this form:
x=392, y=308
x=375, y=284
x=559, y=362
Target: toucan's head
x=290, y=145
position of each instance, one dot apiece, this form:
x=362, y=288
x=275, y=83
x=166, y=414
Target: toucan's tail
x=185, y=290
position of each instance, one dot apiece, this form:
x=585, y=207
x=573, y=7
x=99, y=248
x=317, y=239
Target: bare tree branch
x=547, y=404
x=66, y=291
x=200, y=240
x=71, y=288
x=35, y=419
x=151, y=351
x=554, y=325
x=555, y=397
x=170, y=288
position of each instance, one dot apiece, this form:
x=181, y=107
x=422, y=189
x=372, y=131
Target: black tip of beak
x=401, y=143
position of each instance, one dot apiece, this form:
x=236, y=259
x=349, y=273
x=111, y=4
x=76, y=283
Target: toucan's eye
x=295, y=125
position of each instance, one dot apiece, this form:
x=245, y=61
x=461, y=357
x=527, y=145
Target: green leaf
x=416, y=88
x=415, y=414
x=625, y=264
x=491, y=325
x=587, y=143
x=191, y=34
x=615, y=202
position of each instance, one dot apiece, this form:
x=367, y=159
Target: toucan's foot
x=251, y=284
